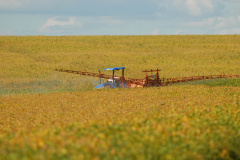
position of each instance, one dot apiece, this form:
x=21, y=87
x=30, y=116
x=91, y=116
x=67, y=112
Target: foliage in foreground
x=175, y=122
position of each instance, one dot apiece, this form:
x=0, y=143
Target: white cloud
x=206, y=22
x=238, y=1
x=193, y=7
x=33, y=3
x=230, y=31
x=12, y=3
x=227, y=22
x=219, y=25
x=54, y=22
x=217, y=22
x=178, y=32
x=110, y=21
x=155, y=32
x=198, y=7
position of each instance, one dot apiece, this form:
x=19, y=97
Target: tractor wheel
x=108, y=86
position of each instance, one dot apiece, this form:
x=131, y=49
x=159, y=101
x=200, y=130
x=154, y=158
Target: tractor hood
x=99, y=86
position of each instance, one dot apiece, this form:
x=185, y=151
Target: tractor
x=114, y=81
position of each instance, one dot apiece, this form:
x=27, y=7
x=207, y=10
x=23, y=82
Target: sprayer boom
x=85, y=73
x=114, y=81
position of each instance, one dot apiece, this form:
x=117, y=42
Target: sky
x=119, y=17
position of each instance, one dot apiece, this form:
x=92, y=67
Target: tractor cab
x=114, y=81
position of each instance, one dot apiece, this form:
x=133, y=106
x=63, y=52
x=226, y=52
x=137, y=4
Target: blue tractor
x=113, y=81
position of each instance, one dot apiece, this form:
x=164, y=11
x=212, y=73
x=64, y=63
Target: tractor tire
x=108, y=86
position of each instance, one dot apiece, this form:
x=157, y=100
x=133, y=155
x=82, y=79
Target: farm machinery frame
x=153, y=80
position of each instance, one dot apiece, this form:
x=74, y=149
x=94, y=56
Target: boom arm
x=85, y=73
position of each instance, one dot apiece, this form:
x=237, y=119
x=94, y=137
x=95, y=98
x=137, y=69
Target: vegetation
x=51, y=115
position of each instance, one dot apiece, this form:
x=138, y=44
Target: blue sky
x=119, y=17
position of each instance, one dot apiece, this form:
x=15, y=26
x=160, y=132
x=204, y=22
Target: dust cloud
x=54, y=82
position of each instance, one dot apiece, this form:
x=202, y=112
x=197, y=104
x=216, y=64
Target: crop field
x=46, y=114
